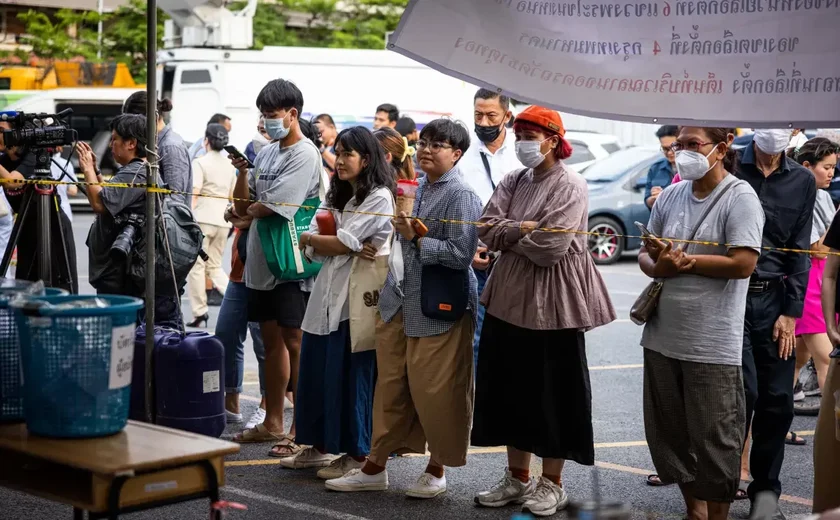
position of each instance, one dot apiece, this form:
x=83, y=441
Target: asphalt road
x=623, y=460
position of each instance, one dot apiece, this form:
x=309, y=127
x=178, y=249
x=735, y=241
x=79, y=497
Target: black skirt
x=533, y=392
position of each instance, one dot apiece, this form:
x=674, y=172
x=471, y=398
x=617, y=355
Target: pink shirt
x=676, y=179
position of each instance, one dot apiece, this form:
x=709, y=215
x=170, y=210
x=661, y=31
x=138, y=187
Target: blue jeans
x=481, y=277
x=232, y=329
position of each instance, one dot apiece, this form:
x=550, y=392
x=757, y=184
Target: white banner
x=746, y=63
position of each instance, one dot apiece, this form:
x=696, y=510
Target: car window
x=614, y=166
x=611, y=147
x=580, y=153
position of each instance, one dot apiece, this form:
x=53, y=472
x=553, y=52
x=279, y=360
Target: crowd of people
x=740, y=245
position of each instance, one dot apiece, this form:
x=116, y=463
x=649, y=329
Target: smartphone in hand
x=230, y=149
x=643, y=230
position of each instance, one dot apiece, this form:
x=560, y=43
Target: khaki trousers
x=215, y=240
x=424, y=392
x=827, y=447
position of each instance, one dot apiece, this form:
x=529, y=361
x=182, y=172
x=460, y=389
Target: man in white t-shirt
x=490, y=157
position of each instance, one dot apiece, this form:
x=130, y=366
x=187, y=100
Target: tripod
x=47, y=205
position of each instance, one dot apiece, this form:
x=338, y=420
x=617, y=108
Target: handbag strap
x=709, y=208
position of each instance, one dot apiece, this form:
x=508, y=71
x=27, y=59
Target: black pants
x=768, y=385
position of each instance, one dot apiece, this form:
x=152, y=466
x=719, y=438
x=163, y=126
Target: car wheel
x=606, y=245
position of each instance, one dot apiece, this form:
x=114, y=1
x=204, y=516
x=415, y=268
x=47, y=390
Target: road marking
x=297, y=506
x=616, y=367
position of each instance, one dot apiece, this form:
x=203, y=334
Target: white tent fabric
x=746, y=63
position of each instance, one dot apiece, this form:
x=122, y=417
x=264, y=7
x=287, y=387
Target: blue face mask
x=276, y=127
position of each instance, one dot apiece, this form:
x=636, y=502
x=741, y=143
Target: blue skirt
x=334, y=401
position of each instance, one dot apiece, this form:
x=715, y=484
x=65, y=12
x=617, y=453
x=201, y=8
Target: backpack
x=176, y=227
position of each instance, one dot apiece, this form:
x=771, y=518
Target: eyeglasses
x=433, y=147
x=667, y=149
x=693, y=146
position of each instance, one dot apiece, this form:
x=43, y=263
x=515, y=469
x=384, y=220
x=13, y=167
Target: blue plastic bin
x=11, y=387
x=77, y=366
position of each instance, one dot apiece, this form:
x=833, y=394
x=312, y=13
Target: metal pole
x=151, y=181
x=100, y=8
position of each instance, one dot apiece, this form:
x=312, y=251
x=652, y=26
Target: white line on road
x=297, y=506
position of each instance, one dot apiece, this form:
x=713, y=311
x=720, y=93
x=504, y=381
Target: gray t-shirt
x=701, y=319
x=280, y=175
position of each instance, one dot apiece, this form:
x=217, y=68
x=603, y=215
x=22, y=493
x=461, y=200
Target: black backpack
x=177, y=228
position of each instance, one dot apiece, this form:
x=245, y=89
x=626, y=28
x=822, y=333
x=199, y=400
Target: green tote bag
x=280, y=239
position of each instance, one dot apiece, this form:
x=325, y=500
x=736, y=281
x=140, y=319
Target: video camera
x=38, y=130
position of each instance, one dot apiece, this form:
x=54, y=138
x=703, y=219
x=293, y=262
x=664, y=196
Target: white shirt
x=56, y=172
x=501, y=163
x=329, y=302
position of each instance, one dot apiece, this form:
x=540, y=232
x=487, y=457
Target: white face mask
x=693, y=166
x=772, y=141
x=259, y=142
x=528, y=153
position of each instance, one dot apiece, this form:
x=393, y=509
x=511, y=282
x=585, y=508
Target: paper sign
x=744, y=63
x=122, y=356
x=211, y=381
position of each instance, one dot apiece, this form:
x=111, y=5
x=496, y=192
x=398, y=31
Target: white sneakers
x=355, y=481
x=258, y=417
x=307, y=458
x=339, y=467
x=233, y=418
x=547, y=499
x=540, y=498
x=427, y=486
x=508, y=490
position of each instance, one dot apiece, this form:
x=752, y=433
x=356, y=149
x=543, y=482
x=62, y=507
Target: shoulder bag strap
x=487, y=168
x=709, y=208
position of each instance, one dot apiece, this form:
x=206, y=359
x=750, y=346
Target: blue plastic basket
x=77, y=366
x=11, y=390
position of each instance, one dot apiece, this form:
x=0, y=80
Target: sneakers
x=798, y=394
x=508, y=490
x=809, y=380
x=233, y=418
x=339, y=467
x=258, y=417
x=427, y=486
x=547, y=499
x=355, y=481
x=307, y=458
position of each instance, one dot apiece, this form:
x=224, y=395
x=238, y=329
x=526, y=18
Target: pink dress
x=812, y=320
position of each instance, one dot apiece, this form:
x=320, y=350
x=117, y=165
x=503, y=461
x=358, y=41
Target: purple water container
x=189, y=383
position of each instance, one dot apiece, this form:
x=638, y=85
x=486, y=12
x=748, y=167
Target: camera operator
x=120, y=212
x=18, y=163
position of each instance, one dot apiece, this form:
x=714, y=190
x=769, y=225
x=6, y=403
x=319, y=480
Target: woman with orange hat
x=544, y=293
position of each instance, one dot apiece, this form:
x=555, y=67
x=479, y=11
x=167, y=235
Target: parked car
x=616, y=200
x=588, y=147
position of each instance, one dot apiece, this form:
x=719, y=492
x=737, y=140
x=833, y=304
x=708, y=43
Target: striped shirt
x=450, y=245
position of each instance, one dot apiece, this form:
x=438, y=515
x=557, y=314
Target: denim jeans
x=481, y=277
x=232, y=328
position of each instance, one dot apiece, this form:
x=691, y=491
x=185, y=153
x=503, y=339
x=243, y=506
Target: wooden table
x=143, y=467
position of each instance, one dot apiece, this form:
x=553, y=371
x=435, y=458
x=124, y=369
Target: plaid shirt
x=450, y=245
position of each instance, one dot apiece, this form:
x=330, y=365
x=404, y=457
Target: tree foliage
x=360, y=24
x=69, y=35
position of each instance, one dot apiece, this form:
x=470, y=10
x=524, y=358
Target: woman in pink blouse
x=544, y=293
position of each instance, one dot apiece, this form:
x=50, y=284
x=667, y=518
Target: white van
x=201, y=82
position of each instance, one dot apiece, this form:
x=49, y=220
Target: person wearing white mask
x=694, y=405
x=775, y=299
x=544, y=293
x=260, y=141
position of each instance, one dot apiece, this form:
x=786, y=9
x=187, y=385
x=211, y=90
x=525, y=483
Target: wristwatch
x=416, y=241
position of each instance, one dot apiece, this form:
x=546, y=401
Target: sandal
x=793, y=439
x=654, y=480
x=741, y=494
x=258, y=433
x=286, y=447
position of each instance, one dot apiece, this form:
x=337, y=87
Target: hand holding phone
x=643, y=230
x=233, y=152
